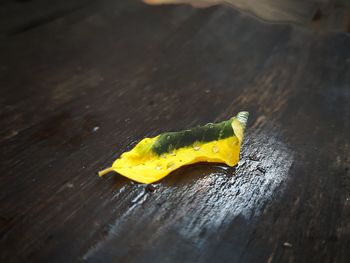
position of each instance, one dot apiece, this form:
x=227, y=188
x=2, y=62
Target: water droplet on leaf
x=196, y=148
x=235, y=143
x=170, y=165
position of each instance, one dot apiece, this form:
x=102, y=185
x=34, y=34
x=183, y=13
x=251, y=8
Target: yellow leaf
x=154, y=158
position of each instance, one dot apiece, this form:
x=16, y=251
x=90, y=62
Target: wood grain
x=79, y=90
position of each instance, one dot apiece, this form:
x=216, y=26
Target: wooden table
x=82, y=83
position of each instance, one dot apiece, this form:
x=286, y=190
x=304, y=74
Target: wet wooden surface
x=79, y=89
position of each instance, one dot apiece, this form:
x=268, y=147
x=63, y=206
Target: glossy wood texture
x=78, y=90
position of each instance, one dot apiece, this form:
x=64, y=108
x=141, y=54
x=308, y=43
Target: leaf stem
x=105, y=171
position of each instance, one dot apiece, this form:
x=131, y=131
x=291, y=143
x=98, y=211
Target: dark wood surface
x=86, y=81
